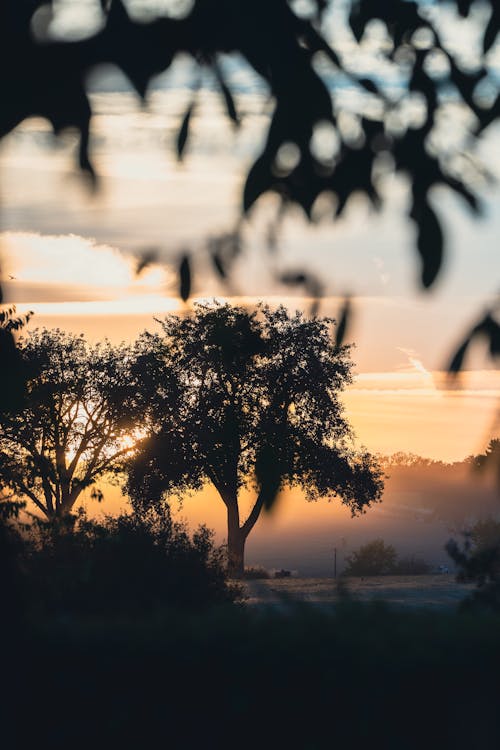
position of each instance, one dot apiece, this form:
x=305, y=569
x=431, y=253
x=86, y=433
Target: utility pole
x=335, y=562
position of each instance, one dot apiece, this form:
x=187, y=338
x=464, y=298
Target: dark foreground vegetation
x=303, y=680
x=133, y=565
x=127, y=632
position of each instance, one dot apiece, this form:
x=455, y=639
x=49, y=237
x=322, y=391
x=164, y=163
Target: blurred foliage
x=399, y=127
x=311, y=679
x=478, y=561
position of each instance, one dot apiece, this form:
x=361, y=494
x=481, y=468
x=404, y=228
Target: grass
x=239, y=677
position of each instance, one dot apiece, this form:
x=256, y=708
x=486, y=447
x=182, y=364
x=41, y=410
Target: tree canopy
x=75, y=423
x=260, y=410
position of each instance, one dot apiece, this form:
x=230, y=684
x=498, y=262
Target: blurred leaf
x=343, y=324
x=258, y=181
x=457, y=360
x=369, y=85
x=228, y=97
x=97, y=494
x=145, y=259
x=184, y=131
x=430, y=242
x=293, y=279
x=185, y=278
x=268, y=475
x=492, y=28
x=218, y=265
x=491, y=329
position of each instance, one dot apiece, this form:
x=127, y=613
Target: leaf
x=97, y=494
x=145, y=259
x=231, y=108
x=269, y=475
x=258, y=181
x=218, y=265
x=491, y=329
x=457, y=360
x=228, y=97
x=185, y=278
x=369, y=85
x=430, y=242
x=293, y=279
x=491, y=30
x=343, y=323
x=184, y=131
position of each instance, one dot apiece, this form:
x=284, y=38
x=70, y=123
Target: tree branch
x=254, y=514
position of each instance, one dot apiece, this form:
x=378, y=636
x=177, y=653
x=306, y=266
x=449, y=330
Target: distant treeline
x=456, y=493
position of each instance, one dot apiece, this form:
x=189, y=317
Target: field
x=438, y=592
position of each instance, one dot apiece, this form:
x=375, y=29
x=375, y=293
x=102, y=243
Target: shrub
x=375, y=558
x=478, y=561
x=132, y=563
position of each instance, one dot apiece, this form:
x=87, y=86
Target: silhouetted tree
x=75, y=422
x=374, y=558
x=260, y=408
x=12, y=373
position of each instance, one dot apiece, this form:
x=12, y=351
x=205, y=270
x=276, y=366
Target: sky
x=72, y=258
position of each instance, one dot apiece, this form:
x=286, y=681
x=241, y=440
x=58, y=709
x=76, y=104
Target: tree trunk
x=235, y=544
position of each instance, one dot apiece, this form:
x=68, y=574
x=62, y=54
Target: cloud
x=68, y=268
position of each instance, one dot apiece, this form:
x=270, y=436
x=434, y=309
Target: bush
x=478, y=561
x=11, y=572
x=375, y=558
x=132, y=563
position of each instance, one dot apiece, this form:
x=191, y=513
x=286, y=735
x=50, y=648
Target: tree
x=374, y=558
x=75, y=422
x=260, y=409
x=12, y=374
